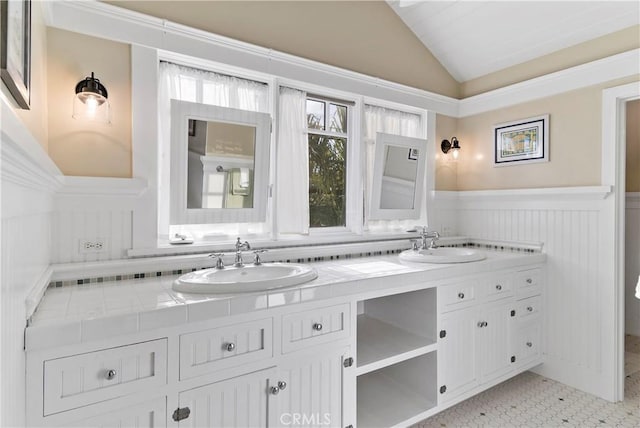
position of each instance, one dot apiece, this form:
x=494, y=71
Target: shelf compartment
x=394, y=328
x=395, y=394
x=381, y=344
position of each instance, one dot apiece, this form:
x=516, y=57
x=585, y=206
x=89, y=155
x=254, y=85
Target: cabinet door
x=309, y=391
x=494, y=339
x=237, y=402
x=150, y=414
x=457, y=359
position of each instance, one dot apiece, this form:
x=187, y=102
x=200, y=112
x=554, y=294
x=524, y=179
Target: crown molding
x=592, y=73
x=111, y=22
x=115, y=23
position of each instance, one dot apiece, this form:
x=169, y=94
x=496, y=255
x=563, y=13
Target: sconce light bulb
x=455, y=153
x=92, y=105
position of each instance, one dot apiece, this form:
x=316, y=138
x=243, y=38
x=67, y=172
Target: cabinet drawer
x=498, y=287
x=83, y=379
x=455, y=296
x=527, y=342
x=529, y=281
x=150, y=414
x=529, y=307
x=216, y=349
x=313, y=327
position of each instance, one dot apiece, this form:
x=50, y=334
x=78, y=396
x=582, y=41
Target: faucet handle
x=219, y=261
x=257, y=261
x=414, y=244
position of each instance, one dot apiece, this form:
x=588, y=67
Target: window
x=328, y=138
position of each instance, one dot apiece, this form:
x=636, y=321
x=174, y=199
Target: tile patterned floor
x=529, y=400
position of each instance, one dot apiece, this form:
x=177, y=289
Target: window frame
x=332, y=134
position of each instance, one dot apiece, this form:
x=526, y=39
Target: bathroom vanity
x=372, y=342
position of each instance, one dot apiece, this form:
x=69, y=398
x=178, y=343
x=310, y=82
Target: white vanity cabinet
x=490, y=329
x=386, y=356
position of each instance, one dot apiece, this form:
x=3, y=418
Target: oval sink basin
x=442, y=255
x=244, y=279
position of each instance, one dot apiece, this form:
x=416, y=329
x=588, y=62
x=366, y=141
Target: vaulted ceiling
x=475, y=38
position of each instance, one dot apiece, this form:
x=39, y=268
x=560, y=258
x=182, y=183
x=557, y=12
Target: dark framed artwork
x=15, y=48
x=522, y=141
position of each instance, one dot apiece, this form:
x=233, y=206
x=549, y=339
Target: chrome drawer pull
x=282, y=385
x=529, y=344
x=498, y=287
x=275, y=390
x=530, y=308
x=460, y=295
x=110, y=374
x=529, y=280
x=230, y=346
x=317, y=326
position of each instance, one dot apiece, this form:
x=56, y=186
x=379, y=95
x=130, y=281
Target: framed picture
x=521, y=141
x=413, y=154
x=15, y=45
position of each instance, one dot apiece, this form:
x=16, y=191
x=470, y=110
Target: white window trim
x=145, y=63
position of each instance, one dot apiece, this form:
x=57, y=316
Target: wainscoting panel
x=72, y=228
x=28, y=182
x=571, y=230
x=632, y=264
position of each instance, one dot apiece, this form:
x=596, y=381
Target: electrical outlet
x=96, y=245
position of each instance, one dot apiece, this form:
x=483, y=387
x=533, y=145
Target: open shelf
x=381, y=344
x=395, y=328
x=397, y=393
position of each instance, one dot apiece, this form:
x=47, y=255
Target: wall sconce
x=90, y=102
x=454, y=146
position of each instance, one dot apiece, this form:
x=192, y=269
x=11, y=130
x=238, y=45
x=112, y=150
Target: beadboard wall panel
x=571, y=232
x=27, y=184
x=71, y=228
x=632, y=263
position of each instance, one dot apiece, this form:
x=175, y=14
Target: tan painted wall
x=633, y=146
x=446, y=170
x=84, y=148
x=602, y=47
x=575, y=148
x=346, y=34
x=35, y=119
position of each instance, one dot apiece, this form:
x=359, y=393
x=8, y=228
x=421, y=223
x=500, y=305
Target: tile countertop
x=82, y=313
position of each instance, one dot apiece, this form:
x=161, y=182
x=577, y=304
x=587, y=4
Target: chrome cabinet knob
x=498, y=287
x=529, y=280
x=317, y=326
x=460, y=295
x=282, y=385
x=529, y=344
x=530, y=308
x=230, y=346
x=275, y=390
x=110, y=374
x=482, y=324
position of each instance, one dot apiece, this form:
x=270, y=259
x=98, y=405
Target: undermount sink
x=442, y=255
x=244, y=279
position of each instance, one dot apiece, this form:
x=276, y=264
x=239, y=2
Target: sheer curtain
x=292, y=158
x=389, y=121
x=191, y=84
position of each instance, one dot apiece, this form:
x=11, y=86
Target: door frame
x=613, y=173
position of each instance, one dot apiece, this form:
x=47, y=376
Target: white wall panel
x=571, y=232
x=632, y=263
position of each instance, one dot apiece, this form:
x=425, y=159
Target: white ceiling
x=474, y=38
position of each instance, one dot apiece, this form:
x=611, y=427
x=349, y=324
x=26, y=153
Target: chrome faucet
x=434, y=236
x=240, y=246
x=219, y=261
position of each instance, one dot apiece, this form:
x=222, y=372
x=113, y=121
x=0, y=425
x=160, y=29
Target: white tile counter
x=83, y=313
